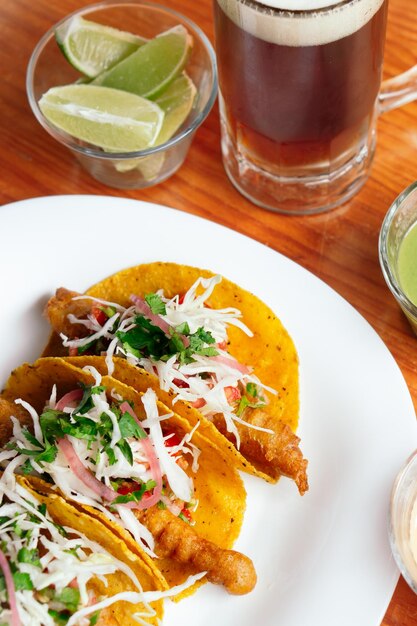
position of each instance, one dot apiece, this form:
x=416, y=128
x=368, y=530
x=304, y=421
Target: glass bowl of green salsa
x=398, y=251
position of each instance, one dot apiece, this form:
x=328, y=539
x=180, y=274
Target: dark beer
x=299, y=100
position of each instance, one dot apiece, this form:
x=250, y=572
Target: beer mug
x=300, y=93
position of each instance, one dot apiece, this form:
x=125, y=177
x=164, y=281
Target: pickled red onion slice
x=69, y=398
x=90, y=481
x=231, y=362
x=11, y=592
x=154, y=465
x=144, y=308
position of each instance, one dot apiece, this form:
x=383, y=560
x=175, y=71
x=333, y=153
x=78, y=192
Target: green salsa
x=407, y=264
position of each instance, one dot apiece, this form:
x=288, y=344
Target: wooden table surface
x=340, y=247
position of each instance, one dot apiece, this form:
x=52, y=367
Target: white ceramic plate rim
x=321, y=559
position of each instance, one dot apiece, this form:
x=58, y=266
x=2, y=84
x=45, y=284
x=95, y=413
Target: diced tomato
x=99, y=315
x=181, y=298
x=232, y=394
x=73, y=352
x=126, y=488
x=187, y=514
x=198, y=403
x=222, y=345
x=180, y=383
x=172, y=441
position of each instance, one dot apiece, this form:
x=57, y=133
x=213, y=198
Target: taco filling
x=111, y=456
x=201, y=353
x=184, y=342
x=49, y=573
x=134, y=473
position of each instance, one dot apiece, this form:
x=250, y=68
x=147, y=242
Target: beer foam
x=284, y=23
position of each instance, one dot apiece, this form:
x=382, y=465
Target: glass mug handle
x=397, y=91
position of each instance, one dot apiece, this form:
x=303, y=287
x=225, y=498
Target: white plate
x=322, y=559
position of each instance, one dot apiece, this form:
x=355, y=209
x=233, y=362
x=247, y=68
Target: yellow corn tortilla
x=217, y=485
x=271, y=351
x=64, y=514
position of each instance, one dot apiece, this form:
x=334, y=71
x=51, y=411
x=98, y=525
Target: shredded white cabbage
x=93, y=459
x=206, y=381
x=67, y=559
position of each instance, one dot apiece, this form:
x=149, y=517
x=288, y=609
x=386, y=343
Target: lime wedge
x=176, y=102
x=149, y=166
x=149, y=70
x=108, y=118
x=92, y=48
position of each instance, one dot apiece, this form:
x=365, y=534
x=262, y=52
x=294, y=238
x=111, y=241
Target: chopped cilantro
x=130, y=428
x=156, y=304
x=86, y=402
x=31, y=438
x=135, y=496
x=22, y=581
x=73, y=551
x=204, y=335
x=183, y=329
x=86, y=348
x=147, y=340
x=245, y=403
x=42, y=509
x=123, y=445
x=94, y=618
x=108, y=311
x=60, y=617
x=70, y=597
x=29, y=556
x=97, y=390
x=252, y=390
x=26, y=468
x=110, y=454
x=83, y=428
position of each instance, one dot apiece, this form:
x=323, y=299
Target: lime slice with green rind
x=176, y=102
x=93, y=48
x=149, y=70
x=111, y=119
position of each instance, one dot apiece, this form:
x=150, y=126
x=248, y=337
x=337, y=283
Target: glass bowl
x=401, y=216
x=403, y=521
x=131, y=170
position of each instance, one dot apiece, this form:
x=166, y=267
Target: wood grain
x=340, y=247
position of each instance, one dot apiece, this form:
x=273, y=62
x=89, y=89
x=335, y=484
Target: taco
x=59, y=566
x=124, y=458
x=211, y=347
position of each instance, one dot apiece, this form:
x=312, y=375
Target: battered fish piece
x=216, y=489
x=63, y=304
x=176, y=540
x=277, y=454
x=7, y=408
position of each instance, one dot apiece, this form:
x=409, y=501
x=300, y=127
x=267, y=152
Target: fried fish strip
x=8, y=408
x=63, y=304
x=275, y=454
x=177, y=540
